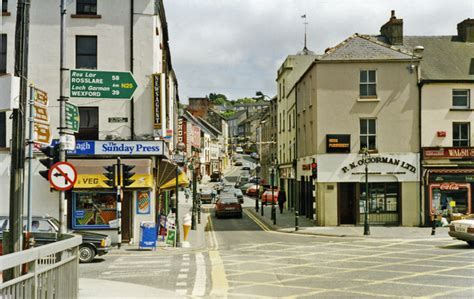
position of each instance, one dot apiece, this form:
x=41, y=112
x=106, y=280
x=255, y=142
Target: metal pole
x=119, y=203
x=258, y=189
x=366, y=216
x=30, y=157
x=62, y=116
x=177, y=207
x=297, y=226
x=193, y=218
x=273, y=200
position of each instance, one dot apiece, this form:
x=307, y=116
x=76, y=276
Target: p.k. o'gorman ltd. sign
x=383, y=160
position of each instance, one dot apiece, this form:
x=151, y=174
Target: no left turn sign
x=62, y=176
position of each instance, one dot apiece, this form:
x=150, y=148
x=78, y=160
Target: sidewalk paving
x=286, y=223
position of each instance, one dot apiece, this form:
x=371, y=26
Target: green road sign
x=102, y=84
x=72, y=117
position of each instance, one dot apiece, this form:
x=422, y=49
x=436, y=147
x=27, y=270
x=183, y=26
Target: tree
x=228, y=113
x=218, y=99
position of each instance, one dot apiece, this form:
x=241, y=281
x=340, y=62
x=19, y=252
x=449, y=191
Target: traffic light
x=314, y=169
x=52, y=154
x=126, y=175
x=110, y=173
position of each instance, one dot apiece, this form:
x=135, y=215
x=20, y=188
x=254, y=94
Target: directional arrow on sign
x=102, y=84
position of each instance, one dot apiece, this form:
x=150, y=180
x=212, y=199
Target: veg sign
x=102, y=84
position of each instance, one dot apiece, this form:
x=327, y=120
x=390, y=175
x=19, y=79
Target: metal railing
x=51, y=271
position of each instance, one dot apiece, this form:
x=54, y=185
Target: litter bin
x=148, y=234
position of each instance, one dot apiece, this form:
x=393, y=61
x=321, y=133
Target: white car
x=463, y=230
x=239, y=150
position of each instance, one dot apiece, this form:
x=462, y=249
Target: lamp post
x=257, y=171
x=193, y=211
x=179, y=160
x=365, y=194
x=273, y=192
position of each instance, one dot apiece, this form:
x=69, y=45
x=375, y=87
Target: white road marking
x=199, y=289
x=182, y=276
x=184, y=270
x=181, y=291
x=185, y=264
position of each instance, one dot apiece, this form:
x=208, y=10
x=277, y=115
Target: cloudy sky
x=235, y=47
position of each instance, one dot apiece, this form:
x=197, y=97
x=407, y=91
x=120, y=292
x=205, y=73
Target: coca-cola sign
x=449, y=186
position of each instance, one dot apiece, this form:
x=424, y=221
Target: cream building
x=288, y=74
x=106, y=36
x=360, y=94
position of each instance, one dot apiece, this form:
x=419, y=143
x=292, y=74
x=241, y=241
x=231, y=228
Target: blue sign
x=83, y=147
x=79, y=214
x=118, y=148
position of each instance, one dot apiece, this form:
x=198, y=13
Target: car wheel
x=471, y=243
x=86, y=254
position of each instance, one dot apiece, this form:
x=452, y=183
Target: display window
x=452, y=197
x=93, y=210
x=383, y=197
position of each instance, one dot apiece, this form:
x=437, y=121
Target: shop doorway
x=347, y=203
x=127, y=212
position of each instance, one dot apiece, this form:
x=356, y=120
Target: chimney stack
x=393, y=30
x=466, y=30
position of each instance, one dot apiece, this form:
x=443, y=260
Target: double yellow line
x=261, y=224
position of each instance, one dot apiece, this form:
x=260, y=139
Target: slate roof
x=444, y=57
x=361, y=47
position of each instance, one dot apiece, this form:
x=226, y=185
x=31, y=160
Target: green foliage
x=228, y=113
x=218, y=99
x=245, y=101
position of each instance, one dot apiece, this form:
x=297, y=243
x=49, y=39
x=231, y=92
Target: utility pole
x=62, y=117
x=18, y=134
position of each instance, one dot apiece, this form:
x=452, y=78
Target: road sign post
x=102, y=84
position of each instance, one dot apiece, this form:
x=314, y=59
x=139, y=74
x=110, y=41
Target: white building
x=106, y=36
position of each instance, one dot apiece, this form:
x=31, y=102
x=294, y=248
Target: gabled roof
x=237, y=114
x=208, y=127
x=363, y=47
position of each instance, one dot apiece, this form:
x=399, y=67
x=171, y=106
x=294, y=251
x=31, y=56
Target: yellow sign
x=96, y=181
x=452, y=203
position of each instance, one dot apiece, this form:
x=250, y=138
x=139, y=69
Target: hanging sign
x=42, y=133
x=72, y=117
x=40, y=113
x=40, y=97
x=157, y=122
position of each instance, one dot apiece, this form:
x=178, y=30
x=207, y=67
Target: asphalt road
x=244, y=259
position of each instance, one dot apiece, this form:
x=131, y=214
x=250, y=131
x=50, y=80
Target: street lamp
x=365, y=194
x=257, y=171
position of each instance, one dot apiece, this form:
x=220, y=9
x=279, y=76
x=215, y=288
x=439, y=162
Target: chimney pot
x=466, y=30
x=393, y=15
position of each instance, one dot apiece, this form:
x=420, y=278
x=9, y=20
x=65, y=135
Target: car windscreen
x=228, y=200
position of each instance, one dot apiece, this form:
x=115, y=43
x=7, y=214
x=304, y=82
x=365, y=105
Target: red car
x=252, y=191
x=228, y=206
x=267, y=196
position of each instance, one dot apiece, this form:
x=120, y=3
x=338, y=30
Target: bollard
x=433, y=227
x=199, y=212
x=297, y=220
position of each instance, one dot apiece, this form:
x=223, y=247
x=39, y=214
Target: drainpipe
x=420, y=86
x=132, y=105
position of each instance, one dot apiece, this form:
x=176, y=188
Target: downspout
x=132, y=105
x=420, y=86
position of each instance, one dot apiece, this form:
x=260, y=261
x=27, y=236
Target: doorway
x=127, y=212
x=347, y=206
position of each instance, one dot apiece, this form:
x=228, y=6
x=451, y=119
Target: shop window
x=86, y=52
x=461, y=132
x=86, y=7
x=93, y=209
x=4, y=5
x=461, y=98
x=367, y=84
x=3, y=129
x=383, y=197
x=89, y=123
x=3, y=53
x=367, y=134
x=449, y=198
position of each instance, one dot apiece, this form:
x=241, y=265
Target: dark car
x=45, y=231
x=228, y=206
x=216, y=176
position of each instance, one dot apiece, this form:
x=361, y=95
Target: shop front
x=393, y=189
x=448, y=182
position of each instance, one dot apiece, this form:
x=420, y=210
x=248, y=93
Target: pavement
x=285, y=222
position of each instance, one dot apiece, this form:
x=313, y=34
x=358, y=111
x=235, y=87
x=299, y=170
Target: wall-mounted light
x=441, y=133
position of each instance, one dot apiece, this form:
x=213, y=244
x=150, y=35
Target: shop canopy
x=171, y=184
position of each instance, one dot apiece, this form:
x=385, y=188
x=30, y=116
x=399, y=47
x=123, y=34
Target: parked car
x=216, y=176
x=239, y=150
x=255, y=156
x=245, y=186
x=205, y=195
x=463, y=230
x=238, y=163
x=246, y=167
x=228, y=206
x=267, y=196
x=241, y=180
x=240, y=196
x=45, y=231
x=252, y=190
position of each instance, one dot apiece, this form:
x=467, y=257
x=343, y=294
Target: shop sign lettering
x=449, y=186
x=376, y=160
x=448, y=152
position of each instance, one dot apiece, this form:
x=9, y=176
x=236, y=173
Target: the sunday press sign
x=119, y=148
x=101, y=84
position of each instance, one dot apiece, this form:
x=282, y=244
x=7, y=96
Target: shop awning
x=171, y=184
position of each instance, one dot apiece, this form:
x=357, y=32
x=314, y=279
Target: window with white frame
x=367, y=84
x=461, y=133
x=368, y=133
x=461, y=98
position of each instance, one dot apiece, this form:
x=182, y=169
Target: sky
x=235, y=47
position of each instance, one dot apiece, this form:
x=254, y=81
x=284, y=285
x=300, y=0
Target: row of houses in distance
x=403, y=100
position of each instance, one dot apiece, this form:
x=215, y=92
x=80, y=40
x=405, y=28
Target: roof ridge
x=400, y=49
x=339, y=45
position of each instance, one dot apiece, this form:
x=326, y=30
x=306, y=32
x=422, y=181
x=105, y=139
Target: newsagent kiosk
x=93, y=204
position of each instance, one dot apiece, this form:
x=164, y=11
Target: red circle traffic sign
x=62, y=176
